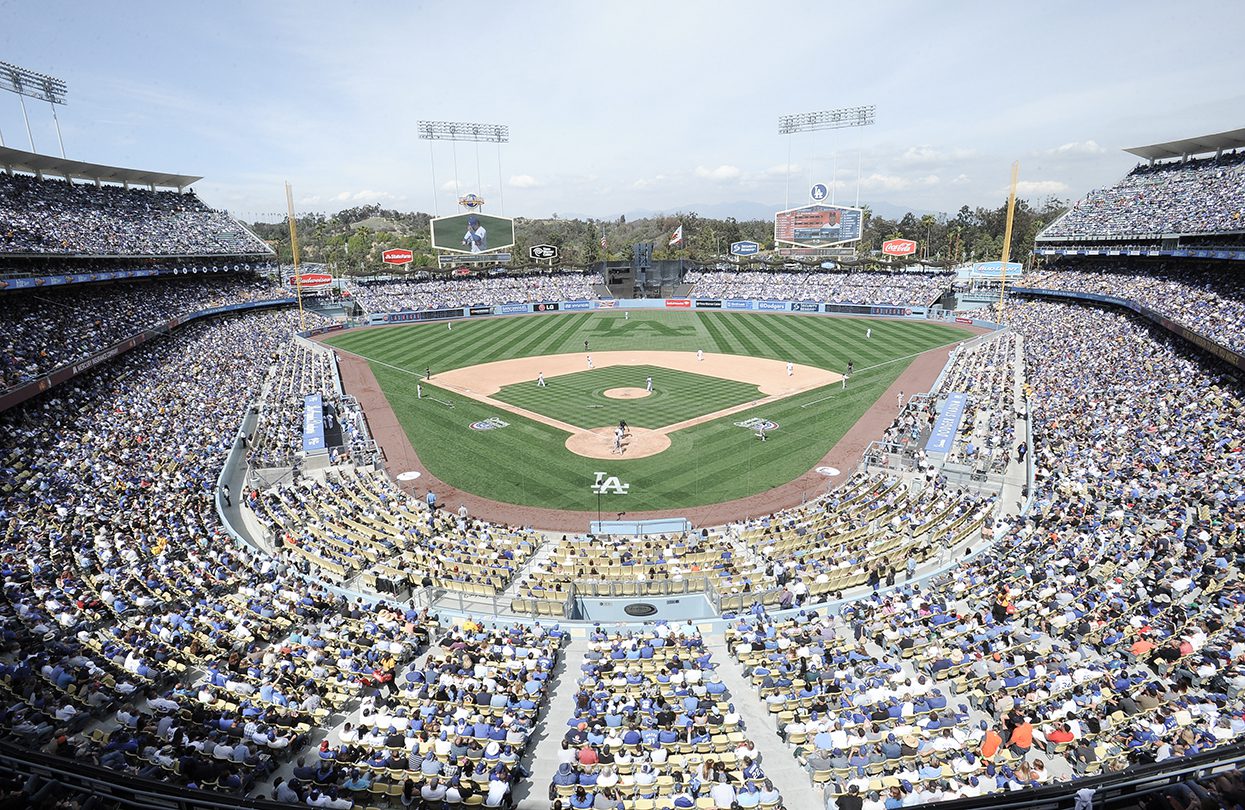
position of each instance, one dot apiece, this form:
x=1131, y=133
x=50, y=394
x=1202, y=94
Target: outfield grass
x=579, y=399
x=527, y=462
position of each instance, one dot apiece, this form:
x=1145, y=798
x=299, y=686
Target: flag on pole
x=604, y=243
x=676, y=238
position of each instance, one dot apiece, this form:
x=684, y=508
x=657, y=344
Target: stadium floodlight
x=826, y=119
x=29, y=83
x=463, y=131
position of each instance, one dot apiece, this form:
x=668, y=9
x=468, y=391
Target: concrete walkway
x=546, y=739
x=791, y=779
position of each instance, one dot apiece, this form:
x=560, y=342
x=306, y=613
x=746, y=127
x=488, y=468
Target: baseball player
x=648, y=384
x=476, y=238
x=899, y=400
x=590, y=362
x=869, y=332
x=618, y=437
x=449, y=325
x=540, y=380
x=700, y=355
x=419, y=391
x=790, y=368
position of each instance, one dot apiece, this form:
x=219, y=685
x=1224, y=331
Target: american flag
x=604, y=243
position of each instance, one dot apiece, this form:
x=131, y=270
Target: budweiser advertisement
x=899, y=247
x=397, y=256
x=312, y=281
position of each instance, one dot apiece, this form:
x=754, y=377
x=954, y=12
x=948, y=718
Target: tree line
x=350, y=241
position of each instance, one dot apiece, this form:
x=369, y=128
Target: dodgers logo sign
x=756, y=423
x=492, y=423
x=607, y=484
x=819, y=192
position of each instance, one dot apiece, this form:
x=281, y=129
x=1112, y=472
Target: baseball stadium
x=380, y=508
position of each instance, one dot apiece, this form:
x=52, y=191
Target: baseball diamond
x=683, y=449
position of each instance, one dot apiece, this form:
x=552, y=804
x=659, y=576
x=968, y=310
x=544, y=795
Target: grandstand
x=218, y=591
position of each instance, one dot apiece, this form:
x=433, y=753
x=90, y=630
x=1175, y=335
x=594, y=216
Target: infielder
x=790, y=368
x=618, y=437
x=700, y=355
x=648, y=384
x=540, y=380
x=590, y=361
x=419, y=391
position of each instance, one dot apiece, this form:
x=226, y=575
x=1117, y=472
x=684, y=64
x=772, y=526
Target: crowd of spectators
x=1208, y=300
x=1102, y=630
x=898, y=288
x=651, y=719
x=451, y=729
x=398, y=296
x=350, y=522
x=46, y=216
x=1195, y=196
x=47, y=329
x=119, y=582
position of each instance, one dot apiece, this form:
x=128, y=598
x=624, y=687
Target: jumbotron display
x=472, y=233
x=818, y=225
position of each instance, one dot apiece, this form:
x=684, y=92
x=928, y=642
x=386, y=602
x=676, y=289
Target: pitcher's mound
x=599, y=442
x=627, y=393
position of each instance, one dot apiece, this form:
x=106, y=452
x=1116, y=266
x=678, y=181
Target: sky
x=623, y=106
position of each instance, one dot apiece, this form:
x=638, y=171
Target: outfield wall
x=669, y=304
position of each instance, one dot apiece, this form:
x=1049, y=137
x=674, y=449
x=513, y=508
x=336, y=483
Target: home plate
x=409, y=476
x=829, y=472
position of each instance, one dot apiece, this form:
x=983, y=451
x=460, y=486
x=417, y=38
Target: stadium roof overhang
x=1235, y=139
x=16, y=160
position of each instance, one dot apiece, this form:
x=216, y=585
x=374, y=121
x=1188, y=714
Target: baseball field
x=739, y=402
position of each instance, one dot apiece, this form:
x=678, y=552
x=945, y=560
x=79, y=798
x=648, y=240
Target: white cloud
x=524, y=181
x=780, y=170
x=925, y=155
x=366, y=195
x=649, y=182
x=929, y=180
x=959, y=180
x=1078, y=148
x=720, y=174
x=884, y=182
x=1041, y=187
x=449, y=185
x=312, y=200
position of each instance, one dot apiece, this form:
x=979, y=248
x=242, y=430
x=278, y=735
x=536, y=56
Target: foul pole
x=1007, y=237
x=298, y=277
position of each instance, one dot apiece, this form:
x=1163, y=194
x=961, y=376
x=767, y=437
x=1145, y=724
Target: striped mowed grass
x=527, y=462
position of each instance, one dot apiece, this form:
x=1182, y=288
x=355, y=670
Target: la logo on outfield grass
x=609, y=485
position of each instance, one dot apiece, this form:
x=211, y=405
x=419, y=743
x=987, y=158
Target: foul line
x=870, y=368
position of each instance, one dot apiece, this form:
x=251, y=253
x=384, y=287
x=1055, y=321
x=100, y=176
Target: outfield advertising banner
x=867, y=309
x=610, y=304
x=513, y=309
x=422, y=315
x=772, y=306
x=736, y=303
x=805, y=306
x=947, y=423
x=708, y=303
x=475, y=311
x=545, y=307
x=818, y=225
x=575, y=306
x=678, y=303
x=472, y=233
